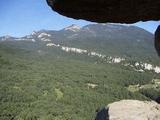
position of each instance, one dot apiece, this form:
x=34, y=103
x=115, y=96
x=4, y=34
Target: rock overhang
x=114, y=11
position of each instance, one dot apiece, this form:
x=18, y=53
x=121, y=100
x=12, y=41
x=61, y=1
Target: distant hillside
x=110, y=39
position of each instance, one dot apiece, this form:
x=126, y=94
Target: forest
x=56, y=87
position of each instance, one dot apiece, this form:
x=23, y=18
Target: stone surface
x=157, y=40
x=115, y=11
x=132, y=110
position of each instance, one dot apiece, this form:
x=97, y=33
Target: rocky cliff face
x=131, y=110
x=119, y=11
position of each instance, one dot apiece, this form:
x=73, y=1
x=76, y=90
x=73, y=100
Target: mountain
x=108, y=39
x=129, y=45
x=73, y=28
x=7, y=38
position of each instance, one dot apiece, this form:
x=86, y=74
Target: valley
x=68, y=74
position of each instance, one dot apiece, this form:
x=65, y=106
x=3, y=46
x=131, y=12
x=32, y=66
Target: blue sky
x=21, y=17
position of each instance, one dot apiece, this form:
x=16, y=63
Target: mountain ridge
x=108, y=24
x=107, y=39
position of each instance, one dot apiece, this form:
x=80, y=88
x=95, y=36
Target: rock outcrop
x=131, y=110
x=115, y=11
x=157, y=40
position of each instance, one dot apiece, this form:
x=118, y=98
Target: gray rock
x=132, y=110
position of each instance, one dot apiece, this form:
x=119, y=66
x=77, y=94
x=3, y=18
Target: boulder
x=131, y=110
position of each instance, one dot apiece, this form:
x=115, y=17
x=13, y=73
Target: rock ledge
x=117, y=11
x=132, y=110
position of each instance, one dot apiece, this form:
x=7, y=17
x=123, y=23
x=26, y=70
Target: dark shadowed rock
x=157, y=40
x=115, y=11
x=102, y=114
x=158, y=99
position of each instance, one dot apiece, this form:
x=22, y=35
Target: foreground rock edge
x=130, y=110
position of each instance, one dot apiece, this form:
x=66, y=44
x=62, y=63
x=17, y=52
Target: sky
x=20, y=17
